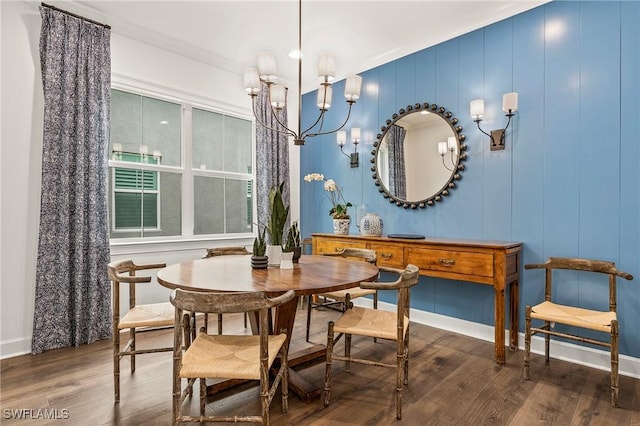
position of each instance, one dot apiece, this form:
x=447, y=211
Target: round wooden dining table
x=312, y=275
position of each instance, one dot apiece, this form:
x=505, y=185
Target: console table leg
x=499, y=326
x=513, y=315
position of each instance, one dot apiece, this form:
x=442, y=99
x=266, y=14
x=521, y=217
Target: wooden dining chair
x=137, y=317
x=378, y=324
x=338, y=300
x=246, y=357
x=568, y=313
x=224, y=251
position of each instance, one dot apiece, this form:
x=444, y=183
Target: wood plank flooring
x=453, y=381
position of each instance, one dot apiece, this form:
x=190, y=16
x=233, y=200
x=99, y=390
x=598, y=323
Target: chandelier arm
x=320, y=117
x=257, y=116
x=331, y=131
x=288, y=130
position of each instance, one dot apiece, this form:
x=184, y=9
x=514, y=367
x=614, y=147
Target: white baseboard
x=15, y=347
x=595, y=358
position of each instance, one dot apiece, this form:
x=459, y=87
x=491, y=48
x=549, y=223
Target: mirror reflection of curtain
x=397, y=176
x=272, y=156
x=72, y=294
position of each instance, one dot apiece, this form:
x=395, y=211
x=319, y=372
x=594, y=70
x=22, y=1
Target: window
x=177, y=170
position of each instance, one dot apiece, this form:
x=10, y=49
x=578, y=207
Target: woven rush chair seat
x=578, y=317
x=341, y=295
x=151, y=315
x=370, y=323
x=550, y=313
x=224, y=356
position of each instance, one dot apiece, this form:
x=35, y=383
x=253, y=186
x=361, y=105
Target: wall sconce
x=451, y=146
x=341, y=139
x=509, y=105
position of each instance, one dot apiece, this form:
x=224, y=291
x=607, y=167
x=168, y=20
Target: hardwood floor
x=453, y=381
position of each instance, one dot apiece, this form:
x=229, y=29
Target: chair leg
x=219, y=324
x=116, y=365
x=133, y=348
x=285, y=381
x=245, y=319
x=527, y=341
x=547, y=341
x=347, y=352
x=614, y=363
x=308, y=315
x=405, y=352
x=176, y=401
x=329, y=362
x=399, y=378
x=203, y=394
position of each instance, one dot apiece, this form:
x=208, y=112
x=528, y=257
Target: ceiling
x=360, y=34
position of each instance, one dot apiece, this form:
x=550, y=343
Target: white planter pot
x=274, y=253
x=286, y=260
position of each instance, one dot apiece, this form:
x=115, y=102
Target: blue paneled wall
x=568, y=182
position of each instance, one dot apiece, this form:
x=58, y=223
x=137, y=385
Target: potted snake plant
x=276, y=223
x=288, y=245
x=259, y=259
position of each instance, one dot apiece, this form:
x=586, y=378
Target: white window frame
x=142, y=191
x=186, y=241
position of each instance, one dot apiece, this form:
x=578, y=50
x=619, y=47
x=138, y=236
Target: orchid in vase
x=339, y=205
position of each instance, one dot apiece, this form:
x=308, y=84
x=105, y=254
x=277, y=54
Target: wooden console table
x=495, y=263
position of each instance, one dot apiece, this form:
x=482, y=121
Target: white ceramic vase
x=274, y=253
x=341, y=226
x=286, y=260
x=371, y=225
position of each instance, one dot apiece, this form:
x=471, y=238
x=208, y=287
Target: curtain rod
x=76, y=16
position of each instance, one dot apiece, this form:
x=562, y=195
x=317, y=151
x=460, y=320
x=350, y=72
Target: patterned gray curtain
x=72, y=301
x=397, y=177
x=272, y=156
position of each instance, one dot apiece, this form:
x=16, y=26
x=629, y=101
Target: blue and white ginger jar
x=371, y=225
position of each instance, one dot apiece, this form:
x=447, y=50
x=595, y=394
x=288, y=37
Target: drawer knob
x=386, y=255
x=447, y=262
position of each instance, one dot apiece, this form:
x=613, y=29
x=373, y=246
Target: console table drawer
x=460, y=262
x=389, y=255
x=335, y=246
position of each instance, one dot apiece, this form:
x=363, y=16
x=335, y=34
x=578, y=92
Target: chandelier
x=265, y=74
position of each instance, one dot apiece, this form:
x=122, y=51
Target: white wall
x=133, y=63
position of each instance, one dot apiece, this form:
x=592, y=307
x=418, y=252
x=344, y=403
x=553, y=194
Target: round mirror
x=418, y=156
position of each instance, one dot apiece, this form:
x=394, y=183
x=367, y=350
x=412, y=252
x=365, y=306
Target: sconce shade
x=442, y=148
x=352, y=88
x=326, y=67
x=451, y=143
x=117, y=147
x=341, y=137
x=144, y=149
x=476, y=108
x=278, y=96
x=355, y=134
x=326, y=98
x=510, y=102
